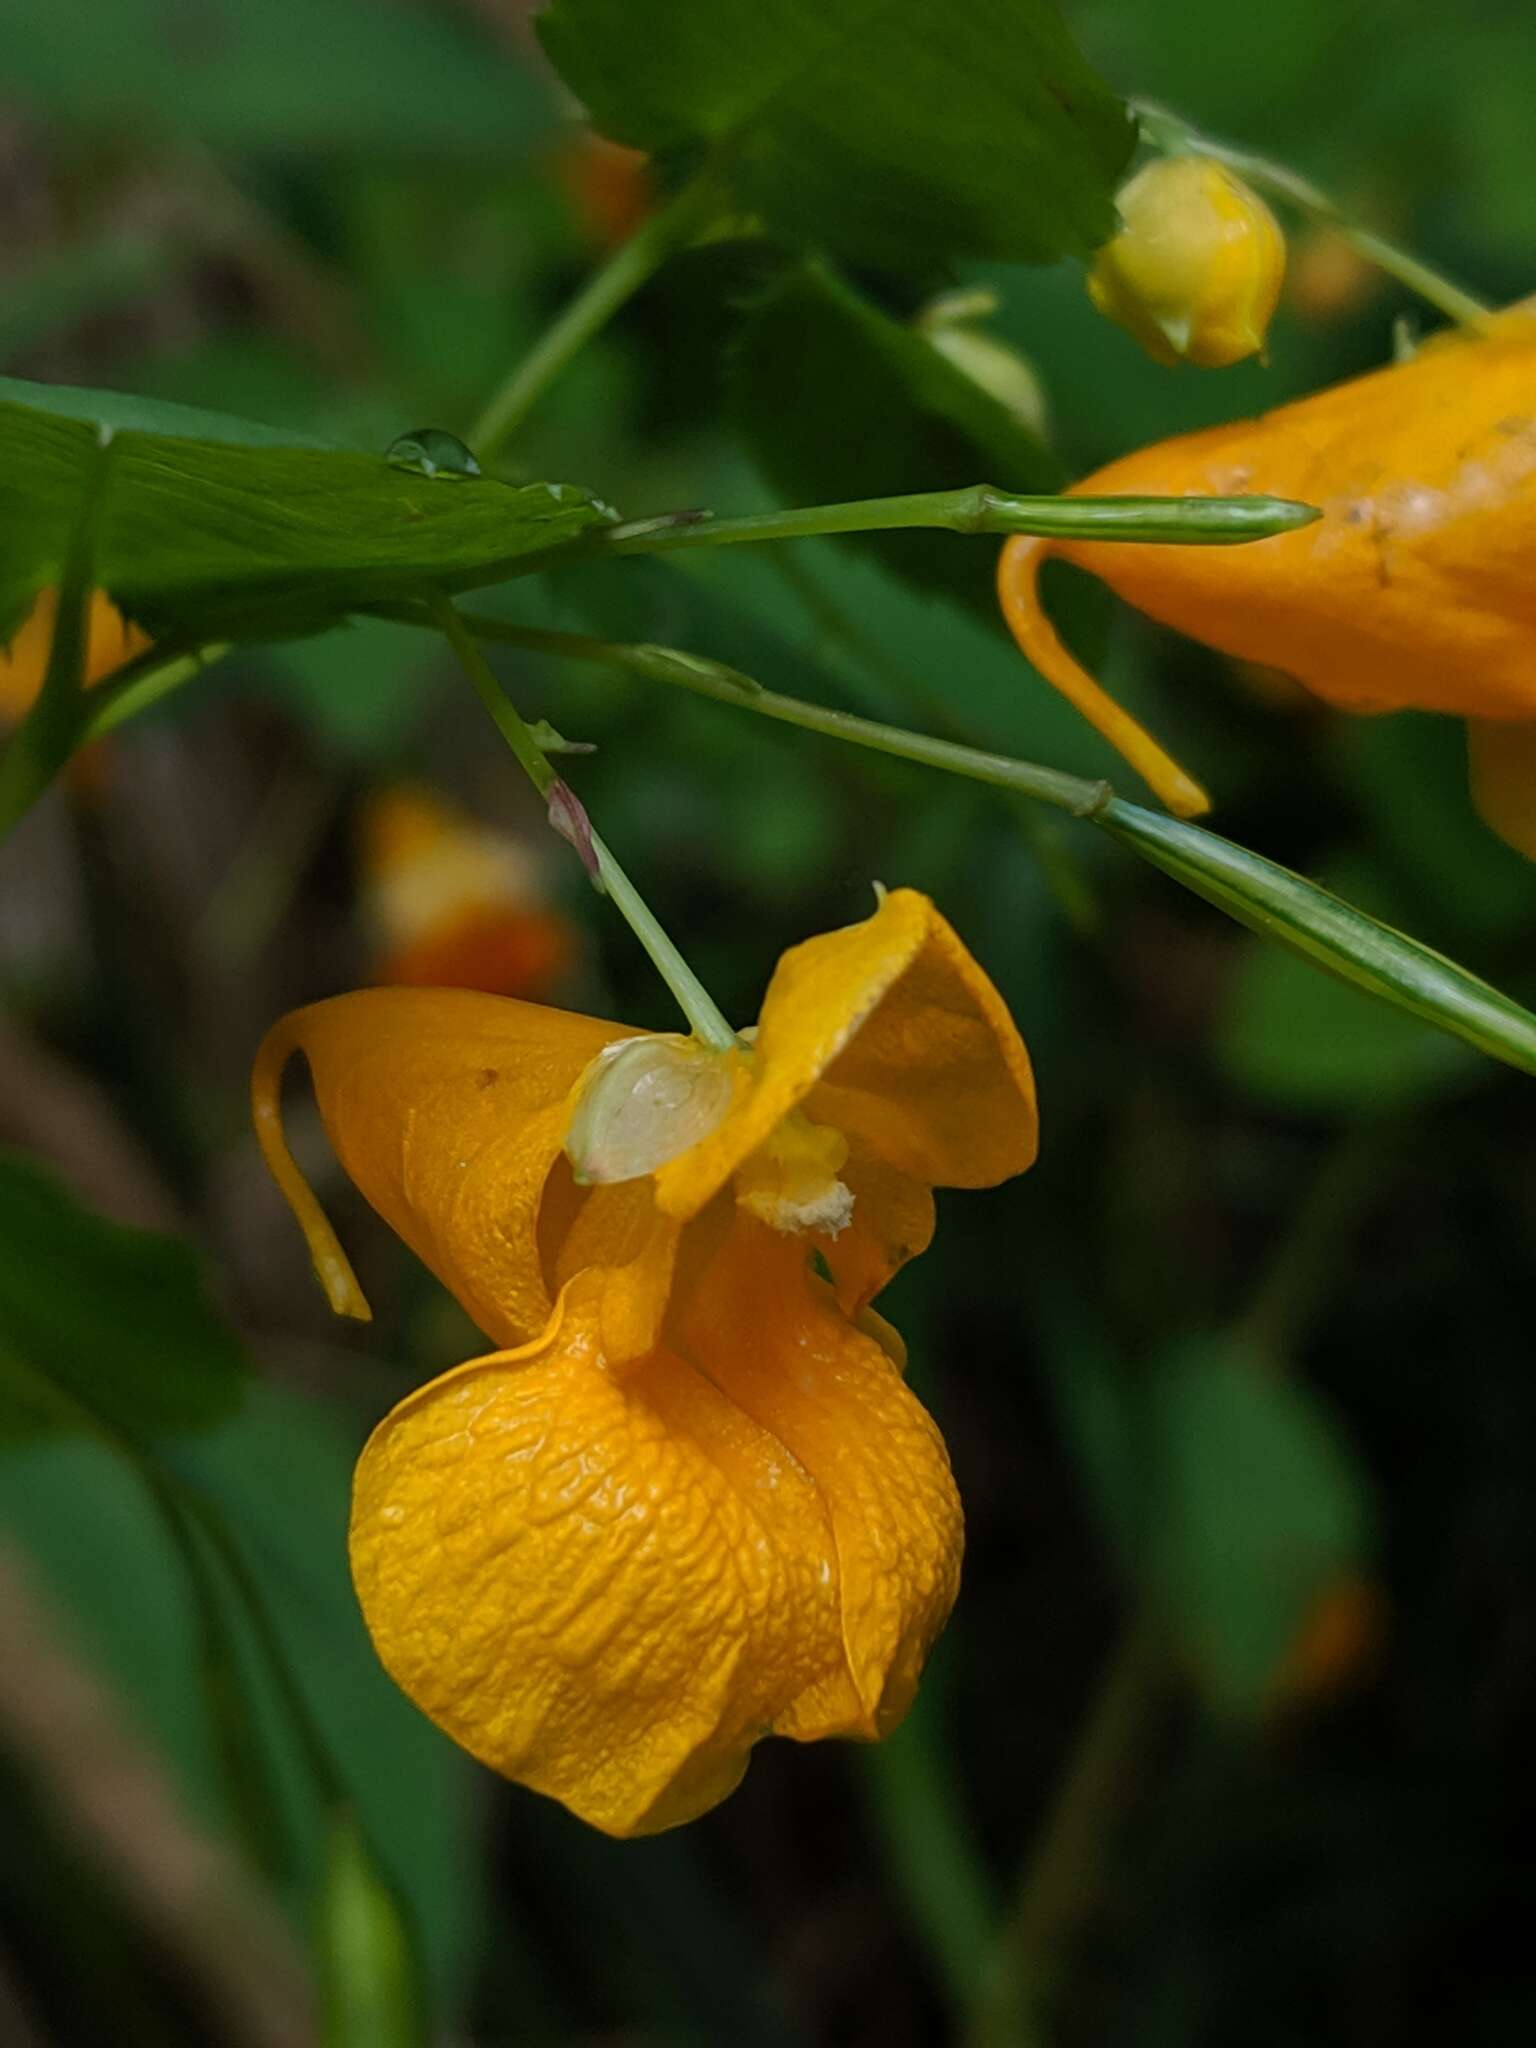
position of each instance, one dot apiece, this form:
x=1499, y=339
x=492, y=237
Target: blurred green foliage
x=896, y=137
x=120, y=1319
x=348, y=220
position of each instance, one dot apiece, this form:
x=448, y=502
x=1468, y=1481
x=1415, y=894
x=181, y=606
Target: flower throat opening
x=645, y=1101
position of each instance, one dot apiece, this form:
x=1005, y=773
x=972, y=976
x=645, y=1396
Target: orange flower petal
x=772, y=1338
x=608, y=1585
x=111, y=642
x=913, y=1048
x=1501, y=768
x=620, y=1238
x=893, y=1221
x=448, y=1109
x=1413, y=591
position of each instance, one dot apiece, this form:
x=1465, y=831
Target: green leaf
x=836, y=400
x=118, y=1321
x=1408, y=774
x=332, y=77
x=1329, y=932
x=894, y=131
x=127, y=412
x=1309, y=1042
x=279, y=1474
x=217, y=529
x=1256, y=1510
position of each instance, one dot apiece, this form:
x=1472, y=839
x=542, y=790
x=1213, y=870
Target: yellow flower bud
x=1196, y=268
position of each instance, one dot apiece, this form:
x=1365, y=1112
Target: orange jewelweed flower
x=453, y=903
x=689, y=1500
x=112, y=642
x=1414, y=591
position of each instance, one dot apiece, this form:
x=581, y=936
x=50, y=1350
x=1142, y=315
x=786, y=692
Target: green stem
x=25, y=773
x=1074, y=794
x=930, y=1849
x=254, y=894
x=241, y=1751
x=1287, y=909
x=319, y=1762
x=1168, y=132
x=693, y=999
x=370, y=1972
x=1064, y=1871
x=1315, y=1243
x=189, y=1522
x=1269, y=899
x=151, y=677
x=1063, y=874
x=977, y=508
x=974, y=508
x=630, y=266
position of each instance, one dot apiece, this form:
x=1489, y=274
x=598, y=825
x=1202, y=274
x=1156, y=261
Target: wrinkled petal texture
x=608, y=1584
x=908, y=1048
x=1414, y=590
x=448, y=1109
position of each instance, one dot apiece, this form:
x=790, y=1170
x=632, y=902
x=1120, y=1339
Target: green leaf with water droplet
x=898, y=132
x=432, y=451
x=214, y=528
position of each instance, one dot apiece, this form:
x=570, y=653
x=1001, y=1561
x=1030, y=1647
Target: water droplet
x=642, y=1101
x=431, y=451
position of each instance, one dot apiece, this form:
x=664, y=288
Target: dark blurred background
x=1301, y=1821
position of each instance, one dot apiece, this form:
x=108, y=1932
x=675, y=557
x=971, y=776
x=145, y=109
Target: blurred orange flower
x=1413, y=591
x=1329, y=280
x=454, y=903
x=1338, y=1646
x=691, y=1502
x=112, y=642
x=611, y=189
